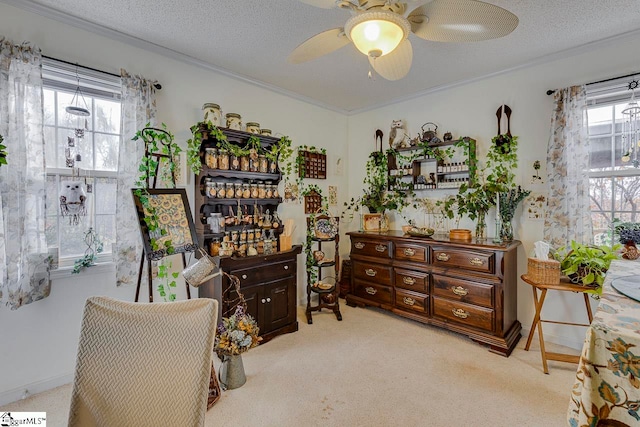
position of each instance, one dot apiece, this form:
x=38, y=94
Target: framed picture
x=174, y=216
x=371, y=222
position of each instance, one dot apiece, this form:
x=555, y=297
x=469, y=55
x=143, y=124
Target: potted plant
x=629, y=235
x=586, y=264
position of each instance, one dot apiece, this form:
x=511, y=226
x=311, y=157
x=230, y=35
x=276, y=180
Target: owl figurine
x=397, y=135
x=72, y=200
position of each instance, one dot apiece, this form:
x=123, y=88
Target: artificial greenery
x=281, y=152
x=3, y=152
x=95, y=245
x=200, y=131
x=586, y=264
x=502, y=160
x=82, y=263
x=167, y=281
x=156, y=141
x=627, y=231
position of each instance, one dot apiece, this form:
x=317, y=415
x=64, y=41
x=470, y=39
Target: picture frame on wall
x=174, y=216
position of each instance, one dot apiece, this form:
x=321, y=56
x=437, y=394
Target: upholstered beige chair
x=143, y=364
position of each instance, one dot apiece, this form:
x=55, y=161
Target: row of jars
x=237, y=190
x=244, y=243
x=217, y=223
x=219, y=158
x=213, y=113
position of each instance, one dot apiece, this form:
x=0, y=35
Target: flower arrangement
x=236, y=334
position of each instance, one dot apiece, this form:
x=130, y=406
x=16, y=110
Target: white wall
x=470, y=110
x=41, y=338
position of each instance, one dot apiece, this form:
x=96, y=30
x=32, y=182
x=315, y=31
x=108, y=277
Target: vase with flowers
x=236, y=334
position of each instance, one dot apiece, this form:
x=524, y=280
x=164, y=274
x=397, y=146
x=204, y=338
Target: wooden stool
x=564, y=285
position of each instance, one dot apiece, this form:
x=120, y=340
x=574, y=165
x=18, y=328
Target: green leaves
x=3, y=152
x=586, y=264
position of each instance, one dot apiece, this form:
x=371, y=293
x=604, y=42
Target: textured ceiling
x=252, y=38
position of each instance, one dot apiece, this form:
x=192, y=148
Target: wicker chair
x=143, y=364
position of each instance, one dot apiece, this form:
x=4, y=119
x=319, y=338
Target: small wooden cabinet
x=269, y=286
x=467, y=287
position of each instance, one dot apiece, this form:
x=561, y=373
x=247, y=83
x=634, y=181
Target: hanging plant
x=200, y=131
x=3, y=152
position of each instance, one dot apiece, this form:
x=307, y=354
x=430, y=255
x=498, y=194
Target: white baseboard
x=34, y=388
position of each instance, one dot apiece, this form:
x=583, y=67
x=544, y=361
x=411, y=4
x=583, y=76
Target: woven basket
x=543, y=271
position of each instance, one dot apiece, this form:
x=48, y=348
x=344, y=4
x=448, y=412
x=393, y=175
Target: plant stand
x=327, y=297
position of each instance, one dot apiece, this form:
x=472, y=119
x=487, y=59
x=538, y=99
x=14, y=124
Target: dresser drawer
x=375, y=248
x=412, y=280
x=265, y=272
x=462, y=258
x=464, y=314
x=463, y=290
x=372, y=272
x=410, y=252
x=412, y=301
x=373, y=291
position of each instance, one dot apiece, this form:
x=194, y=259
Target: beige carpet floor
x=376, y=369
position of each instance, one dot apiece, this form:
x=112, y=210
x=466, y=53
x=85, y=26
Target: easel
x=155, y=256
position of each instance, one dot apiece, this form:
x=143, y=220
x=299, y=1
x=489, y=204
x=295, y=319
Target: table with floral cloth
x=607, y=387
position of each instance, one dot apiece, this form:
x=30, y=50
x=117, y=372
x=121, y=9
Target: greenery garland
x=3, y=152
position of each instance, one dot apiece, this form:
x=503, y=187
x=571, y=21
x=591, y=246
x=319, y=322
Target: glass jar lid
x=210, y=105
x=253, y=124
x=235, y=115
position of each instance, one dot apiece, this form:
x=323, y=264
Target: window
x=614, y=186
x=97, y=152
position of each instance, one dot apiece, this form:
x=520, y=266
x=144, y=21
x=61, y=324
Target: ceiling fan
x=380, y=29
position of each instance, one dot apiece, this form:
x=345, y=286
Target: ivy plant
x=200, y=131
x=167, y=281
x=586, y=264
x=3, y=152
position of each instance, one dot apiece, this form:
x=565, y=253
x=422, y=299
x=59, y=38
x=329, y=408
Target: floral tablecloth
x=607, y=387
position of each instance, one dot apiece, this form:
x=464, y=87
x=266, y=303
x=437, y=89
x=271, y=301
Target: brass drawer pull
x=458, y=312
x=459, y=290
x=408, y=301
x=409, y=252
x=476, y=261
x=371, y=291
x=442, y=256
x=408, y=280
x=370, y=272
x=358, y=245
x=381, y=248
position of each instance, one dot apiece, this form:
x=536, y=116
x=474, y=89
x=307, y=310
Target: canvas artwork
x=333, y=195
x=534, y=206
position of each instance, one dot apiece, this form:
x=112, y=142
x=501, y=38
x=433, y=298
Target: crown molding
x=573, y=51
x=112, y=34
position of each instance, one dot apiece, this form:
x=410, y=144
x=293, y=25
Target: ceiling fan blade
x=461, y=21
x=325, y=4
x=394, y=65
x=319, y=45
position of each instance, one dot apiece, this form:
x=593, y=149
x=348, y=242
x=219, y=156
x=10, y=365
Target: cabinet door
x=278, y=303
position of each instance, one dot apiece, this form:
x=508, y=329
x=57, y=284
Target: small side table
x=564, y=285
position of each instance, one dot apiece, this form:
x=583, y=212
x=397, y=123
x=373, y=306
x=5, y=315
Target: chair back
x=142, y=364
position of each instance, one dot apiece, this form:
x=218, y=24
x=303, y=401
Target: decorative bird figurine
x=397, y=135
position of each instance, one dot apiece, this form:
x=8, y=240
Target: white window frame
x=61, y=77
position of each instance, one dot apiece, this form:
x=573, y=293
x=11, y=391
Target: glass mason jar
x=244, y=163
x=246, y=191
x=209, y=188
x=234, y=162
x=223, y=159
x=273, y=166
x=237, y=189
x=263, y=164
x=253, y=127
x=234, y=121
x=262, y=193
x=212, y=114
x=268, y=193
x=276, y=194
x=211, y=158
x=220, y=190
x=254, y=191
x=229, y=191
x=214, y=247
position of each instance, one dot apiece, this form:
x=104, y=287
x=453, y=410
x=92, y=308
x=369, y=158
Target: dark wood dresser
x=466, y=287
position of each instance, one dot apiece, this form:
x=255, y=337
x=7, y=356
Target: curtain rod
x=156, y=85
x=552, y=91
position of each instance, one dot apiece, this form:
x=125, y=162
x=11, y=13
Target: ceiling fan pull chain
x=372, y=71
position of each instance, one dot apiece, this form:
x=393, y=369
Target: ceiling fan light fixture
x=377, y=33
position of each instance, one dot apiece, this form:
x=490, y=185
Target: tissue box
x=543, y=271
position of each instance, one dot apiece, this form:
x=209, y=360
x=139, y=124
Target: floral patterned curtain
x=23, y=246
x=569, y=215
x=138, y=109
